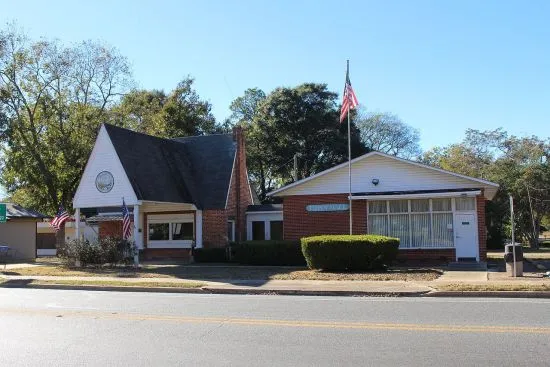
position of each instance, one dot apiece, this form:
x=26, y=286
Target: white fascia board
x=304, y=180
x=419, y=196
x=230, y=180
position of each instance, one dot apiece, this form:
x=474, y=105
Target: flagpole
x=349, y=174
x=349, y=168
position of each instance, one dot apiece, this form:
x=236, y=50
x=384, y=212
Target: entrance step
x=468, y=265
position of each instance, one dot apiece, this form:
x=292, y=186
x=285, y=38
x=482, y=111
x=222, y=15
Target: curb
x=303, y=292
x=289, y=292
x=213, y=290
x=492, y=294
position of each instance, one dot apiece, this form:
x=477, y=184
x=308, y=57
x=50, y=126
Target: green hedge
x=268, y=253
x=345, y=252
x=210, y=255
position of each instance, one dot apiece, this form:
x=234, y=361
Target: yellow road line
x=283, y=323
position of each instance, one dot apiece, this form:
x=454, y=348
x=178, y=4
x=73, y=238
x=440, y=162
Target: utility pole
x=535, y=234
x=513, y=234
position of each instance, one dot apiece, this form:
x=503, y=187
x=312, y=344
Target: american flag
x=350, y=100
x=60, y=218
x=126, y=225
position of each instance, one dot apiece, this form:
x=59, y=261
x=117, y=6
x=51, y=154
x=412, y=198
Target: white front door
x=465, y=228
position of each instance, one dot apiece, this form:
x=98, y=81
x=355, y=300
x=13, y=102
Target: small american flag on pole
x=126, y=224
x=350, y=100
x=60, y=218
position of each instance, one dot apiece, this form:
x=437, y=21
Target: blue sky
x=442, y=66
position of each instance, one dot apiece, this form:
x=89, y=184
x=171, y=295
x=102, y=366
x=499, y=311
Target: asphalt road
x=87, y=328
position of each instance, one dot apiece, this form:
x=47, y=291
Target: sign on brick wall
x=327, y=208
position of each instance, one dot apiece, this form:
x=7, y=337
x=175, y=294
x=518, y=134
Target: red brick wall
x=424, y=255
x=239, y=193
x=482, y=229
x=167, y=253
x=112, y=228
x=214, y=228
x=299, y=223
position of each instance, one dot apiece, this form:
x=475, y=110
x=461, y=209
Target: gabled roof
x=193, y=170
x=483, y=183
x=17, y=211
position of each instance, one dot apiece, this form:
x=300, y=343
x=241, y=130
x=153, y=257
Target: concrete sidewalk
x=326, y=287
x=298, y=287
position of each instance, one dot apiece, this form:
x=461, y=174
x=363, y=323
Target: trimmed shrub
x=210, y=255
x=349, y=252
x=270, y=252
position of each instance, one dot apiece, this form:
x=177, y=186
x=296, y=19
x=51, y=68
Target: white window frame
x=170, y=219
x=267, y=218
x=431, y=245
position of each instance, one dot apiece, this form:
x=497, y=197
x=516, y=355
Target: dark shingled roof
x=17, y=211
x=193, y=169
x=265, y=208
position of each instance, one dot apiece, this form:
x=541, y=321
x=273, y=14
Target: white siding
x=393, y=175
x=103, y=158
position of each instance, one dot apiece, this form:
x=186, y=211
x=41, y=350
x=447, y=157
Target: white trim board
x=418, y=196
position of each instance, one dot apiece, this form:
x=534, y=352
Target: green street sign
x=2, y=213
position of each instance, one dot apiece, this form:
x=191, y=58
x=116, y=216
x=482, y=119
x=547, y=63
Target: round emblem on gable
x=104, y=181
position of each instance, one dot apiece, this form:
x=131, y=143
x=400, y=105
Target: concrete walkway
x=305, y=287
x=463, y=277
x=242, y=286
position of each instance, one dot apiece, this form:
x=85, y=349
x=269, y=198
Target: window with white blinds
x=418, y=223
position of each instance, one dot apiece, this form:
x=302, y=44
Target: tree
x=301, y=120
x=523, y=171
x=186, y=114
x=142, y=111
x=53, y=99
x=245, y=108
x=179, y=113
x=385, y=132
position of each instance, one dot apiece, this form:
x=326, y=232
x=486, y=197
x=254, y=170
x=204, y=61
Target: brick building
x=182, y=192
x=437, y=215
x=195, y=191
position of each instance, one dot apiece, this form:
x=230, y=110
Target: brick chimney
x=242, y=191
